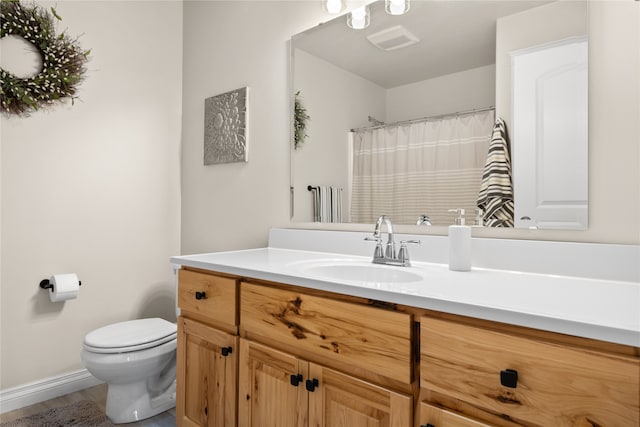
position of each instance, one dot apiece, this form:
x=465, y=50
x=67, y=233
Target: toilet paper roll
x=65, y=287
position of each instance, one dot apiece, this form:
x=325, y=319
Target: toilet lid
x=131, y=335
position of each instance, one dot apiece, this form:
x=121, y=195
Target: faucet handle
x=403, y=253
x=377, y=253
x=414, y=242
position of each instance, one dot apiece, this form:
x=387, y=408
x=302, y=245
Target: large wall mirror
x=402, y=114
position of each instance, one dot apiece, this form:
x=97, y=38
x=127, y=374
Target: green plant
x=300, y=117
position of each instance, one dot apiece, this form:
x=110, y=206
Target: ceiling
x=455, y=35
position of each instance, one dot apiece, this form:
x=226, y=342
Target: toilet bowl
x=137, y=360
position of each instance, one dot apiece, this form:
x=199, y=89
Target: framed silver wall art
x=225, y=127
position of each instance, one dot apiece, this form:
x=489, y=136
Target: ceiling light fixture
x=396, y=7
x=333, y=6
x=358, y=19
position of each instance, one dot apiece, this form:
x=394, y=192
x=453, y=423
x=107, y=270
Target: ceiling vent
x=393, y=38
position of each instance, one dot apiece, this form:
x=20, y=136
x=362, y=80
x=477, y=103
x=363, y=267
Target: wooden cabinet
x=261, y=354
x=277, y=389
x=341, y=364
x=525, y=381
x=207, y=356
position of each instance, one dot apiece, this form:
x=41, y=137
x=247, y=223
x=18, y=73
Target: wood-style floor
x=97, y=394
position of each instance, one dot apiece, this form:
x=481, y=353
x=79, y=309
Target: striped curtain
x=420, y=168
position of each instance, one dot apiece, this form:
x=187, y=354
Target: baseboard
x=45, y=389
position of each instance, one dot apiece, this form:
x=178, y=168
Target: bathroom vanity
x=281, y=337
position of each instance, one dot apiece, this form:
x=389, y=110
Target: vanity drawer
x=430, y=415
x=339, y=334
x=208, y=298
x=556, y=385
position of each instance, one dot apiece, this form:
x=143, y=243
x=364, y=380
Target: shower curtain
x=419, y=168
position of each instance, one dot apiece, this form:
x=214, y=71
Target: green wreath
x=63, y=61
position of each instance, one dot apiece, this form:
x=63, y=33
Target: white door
x=549, y=135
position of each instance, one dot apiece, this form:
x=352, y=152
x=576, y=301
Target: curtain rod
x=424, y=119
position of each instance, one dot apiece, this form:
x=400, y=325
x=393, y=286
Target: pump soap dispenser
x=459, y=243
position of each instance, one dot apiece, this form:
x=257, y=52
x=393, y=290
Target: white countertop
x=607, y=310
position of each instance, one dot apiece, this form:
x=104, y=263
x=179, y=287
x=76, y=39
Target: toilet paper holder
x=46, y=284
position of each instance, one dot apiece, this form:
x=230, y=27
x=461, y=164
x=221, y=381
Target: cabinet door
x=207, y=360
x=435, y=417
x=271, y=388
x=343, y=401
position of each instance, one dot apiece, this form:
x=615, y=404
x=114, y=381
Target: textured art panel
x=225, y=127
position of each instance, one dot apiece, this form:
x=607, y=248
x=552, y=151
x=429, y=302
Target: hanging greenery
x=300, y=117
x=63, y=60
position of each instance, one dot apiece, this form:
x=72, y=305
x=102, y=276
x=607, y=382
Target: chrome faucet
x=390, y=251
x=423, y=220
x=389, y=257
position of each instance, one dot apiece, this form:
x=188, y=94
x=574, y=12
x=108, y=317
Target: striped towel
x=327, y=204
x=496, y=189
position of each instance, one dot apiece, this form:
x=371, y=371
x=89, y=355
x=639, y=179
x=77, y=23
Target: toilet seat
x=132, y=335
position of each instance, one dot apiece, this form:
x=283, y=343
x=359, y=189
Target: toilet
x=137, y=360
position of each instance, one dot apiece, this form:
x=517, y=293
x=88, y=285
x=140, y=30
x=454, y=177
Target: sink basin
x=359, y=271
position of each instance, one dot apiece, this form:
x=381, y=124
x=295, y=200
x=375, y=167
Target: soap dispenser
x=459, y=243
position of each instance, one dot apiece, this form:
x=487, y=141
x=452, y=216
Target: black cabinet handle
x=311, y=384
x=296, y=379
x=427, y=425
x=201, y=295
x=509, y=378
x=226, y=351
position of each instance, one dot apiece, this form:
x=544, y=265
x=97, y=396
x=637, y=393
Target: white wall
x=94, y=189
x=337, y=101
x=466, y=90
x=614, y=123
x=228, y=45
x=233, y=206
